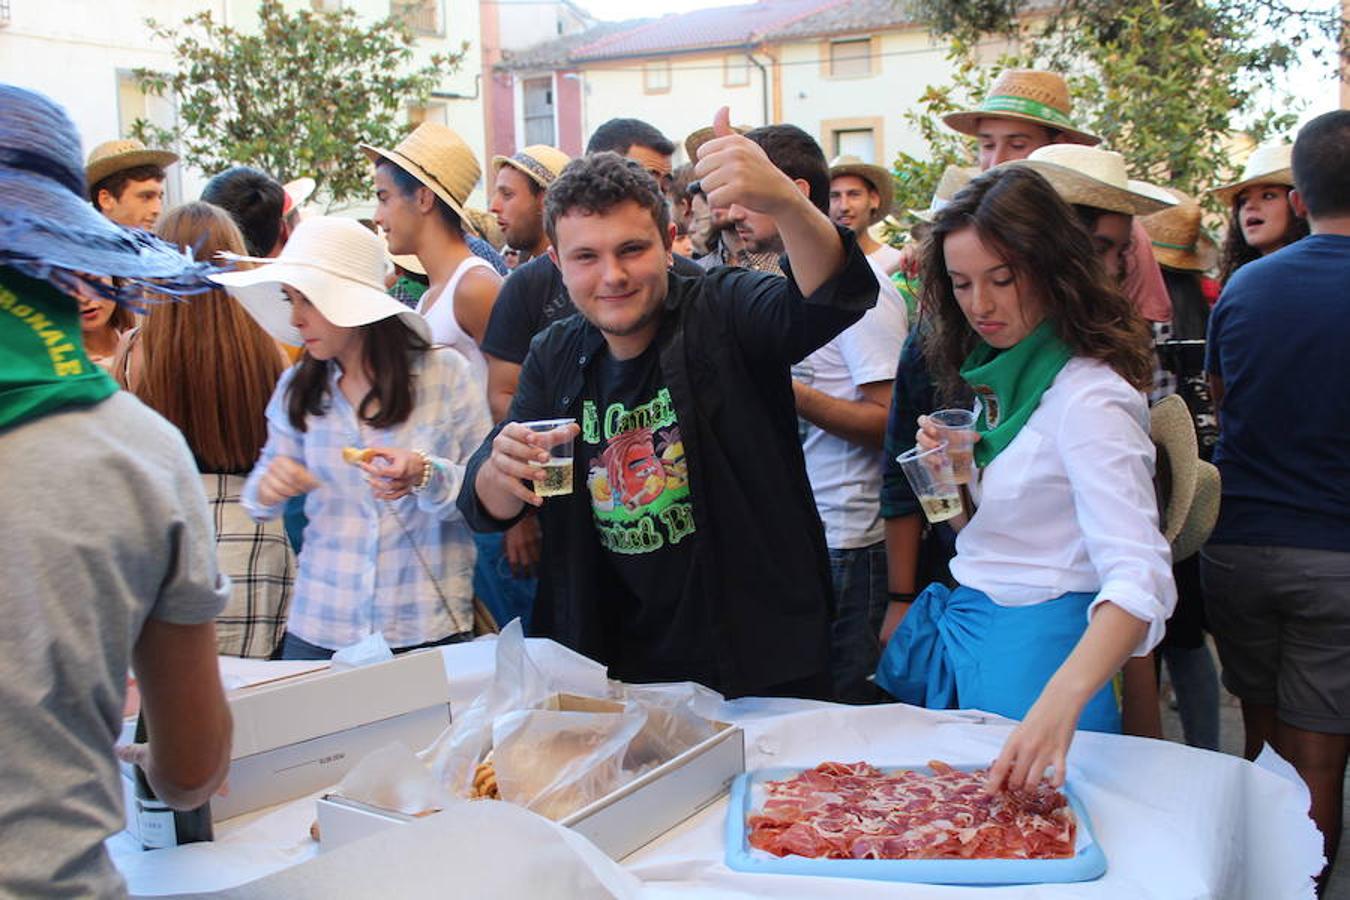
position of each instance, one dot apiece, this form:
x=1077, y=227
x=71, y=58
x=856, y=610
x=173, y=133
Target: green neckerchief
x=909, y=289
x=43, y=366
x=1009, y=384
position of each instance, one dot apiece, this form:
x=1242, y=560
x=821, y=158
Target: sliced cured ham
x=856, y=811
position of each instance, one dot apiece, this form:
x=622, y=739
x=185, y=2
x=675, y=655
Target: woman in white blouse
x=1062, y=571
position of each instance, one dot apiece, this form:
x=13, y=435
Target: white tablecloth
x=1174, y=822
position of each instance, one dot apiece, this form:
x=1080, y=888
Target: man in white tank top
x=420, y=188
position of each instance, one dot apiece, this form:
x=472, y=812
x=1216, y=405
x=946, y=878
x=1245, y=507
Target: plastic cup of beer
x=929, y=472
x=557, y=480
x=958, y=430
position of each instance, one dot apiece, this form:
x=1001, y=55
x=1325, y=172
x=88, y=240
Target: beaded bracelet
x=426, y=472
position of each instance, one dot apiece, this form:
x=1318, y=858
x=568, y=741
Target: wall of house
x=697, y=86
x=903, y=65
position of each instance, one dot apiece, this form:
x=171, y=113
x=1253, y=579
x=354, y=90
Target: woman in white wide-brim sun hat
x=373, y=425
x=1261, y=219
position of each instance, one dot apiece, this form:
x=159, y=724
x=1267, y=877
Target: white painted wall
x=71, y=50
x=616, y=90
x=907, y=62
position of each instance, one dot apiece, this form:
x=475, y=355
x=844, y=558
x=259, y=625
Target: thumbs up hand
x=733, y=169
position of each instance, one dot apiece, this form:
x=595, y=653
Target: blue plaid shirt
x=370, y=565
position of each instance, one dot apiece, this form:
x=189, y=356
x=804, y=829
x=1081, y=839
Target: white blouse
x=1070, y=505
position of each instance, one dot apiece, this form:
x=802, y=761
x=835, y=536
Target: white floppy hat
x=1091, y=176
x=338, y=264
x=954, y=178
x=1268, y=164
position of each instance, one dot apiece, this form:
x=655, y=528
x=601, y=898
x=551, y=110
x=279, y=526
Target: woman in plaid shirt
x=373, y=425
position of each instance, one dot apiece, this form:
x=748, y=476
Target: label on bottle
x=155, y=821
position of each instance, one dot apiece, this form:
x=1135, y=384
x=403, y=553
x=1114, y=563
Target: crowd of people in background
x=330, y=418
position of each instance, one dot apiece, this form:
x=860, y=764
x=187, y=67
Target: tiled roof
x=846, y=18
x=724, y=26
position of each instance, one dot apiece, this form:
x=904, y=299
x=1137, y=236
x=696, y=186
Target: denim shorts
x=1280, y=617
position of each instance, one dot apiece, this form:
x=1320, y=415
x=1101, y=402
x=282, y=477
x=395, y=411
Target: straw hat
x=1029, y=96
x=484, y=224
x=1093, y=177
x=298, y=193
x=338, y=264
x=1178, y=240
x=540, y=163
x=702, y=135
x=111, y=157
x=1268, y=164
x=949, y=185
x=878, y=177
x=47, y=225
x=1188, y=487
x=439, y=159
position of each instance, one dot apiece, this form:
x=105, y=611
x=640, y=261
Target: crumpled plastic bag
x=678, y=717
x=392, y=777
x=372, y=648
x=517, y=684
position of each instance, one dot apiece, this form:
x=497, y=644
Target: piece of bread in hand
x=355, y=455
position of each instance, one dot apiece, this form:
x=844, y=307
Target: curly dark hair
x=1018, y=215
x=1236, y=252
x=597, y=183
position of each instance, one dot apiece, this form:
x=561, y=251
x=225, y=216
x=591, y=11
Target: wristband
x=426, y=472
x=902, y=596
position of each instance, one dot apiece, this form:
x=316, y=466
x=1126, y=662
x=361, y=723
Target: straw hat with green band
x=1030, y=96
x=439, y=159
x=1178, y=240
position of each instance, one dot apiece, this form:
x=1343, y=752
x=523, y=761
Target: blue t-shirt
x=1279, y=339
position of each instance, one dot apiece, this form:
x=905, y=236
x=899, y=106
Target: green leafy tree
x=1165, y=82
x=294, y=97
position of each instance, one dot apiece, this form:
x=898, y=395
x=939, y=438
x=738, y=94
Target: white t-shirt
x=1070, y=505
x=846, y=477
x=886, y=258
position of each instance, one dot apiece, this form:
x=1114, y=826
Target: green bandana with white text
x=1009, y=384
x=43, y=366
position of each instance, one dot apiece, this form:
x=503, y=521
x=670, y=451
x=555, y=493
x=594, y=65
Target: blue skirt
x=958, y=649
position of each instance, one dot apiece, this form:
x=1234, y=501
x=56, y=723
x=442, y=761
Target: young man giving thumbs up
x=690, y=547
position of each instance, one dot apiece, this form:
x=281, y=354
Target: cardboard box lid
x=302, y=707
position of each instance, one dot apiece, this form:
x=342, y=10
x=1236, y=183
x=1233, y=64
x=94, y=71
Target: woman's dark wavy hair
x=1018, y=215
x=388, y=351
x=1236, y=252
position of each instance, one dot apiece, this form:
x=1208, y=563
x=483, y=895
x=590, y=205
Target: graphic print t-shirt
x=638, y=484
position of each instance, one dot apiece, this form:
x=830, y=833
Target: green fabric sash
x=43, y=366
x=1009, y=384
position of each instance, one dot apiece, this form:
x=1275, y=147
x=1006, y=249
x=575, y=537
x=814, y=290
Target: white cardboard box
x=620, y=823
x=301, y=733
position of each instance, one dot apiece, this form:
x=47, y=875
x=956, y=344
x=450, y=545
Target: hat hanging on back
x=111, y=157
x=48, y=229
x=1178, y=240
x=1188, y=486
x=540, y=163
x=879, y=178
x=1268, y=164
x=1090, y=176
x=1027, y=95
x=438, y=158
x=340, y=267
x=949, y=185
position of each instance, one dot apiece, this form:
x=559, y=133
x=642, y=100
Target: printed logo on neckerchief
x=989, y=401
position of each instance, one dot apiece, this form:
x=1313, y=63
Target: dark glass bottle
x=160, y=825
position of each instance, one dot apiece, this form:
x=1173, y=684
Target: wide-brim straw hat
x=1268, y=164
x=1090, y=176
x=111, y=157
x=46, y=221
x=340, y=267
x=1027, y=95
x=298, y=192
x=540, y=163
x=1179, y=241
x=1190, y=486
x=438, y=158
x=701, y=136
x=949, y=185
x=877, y=176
